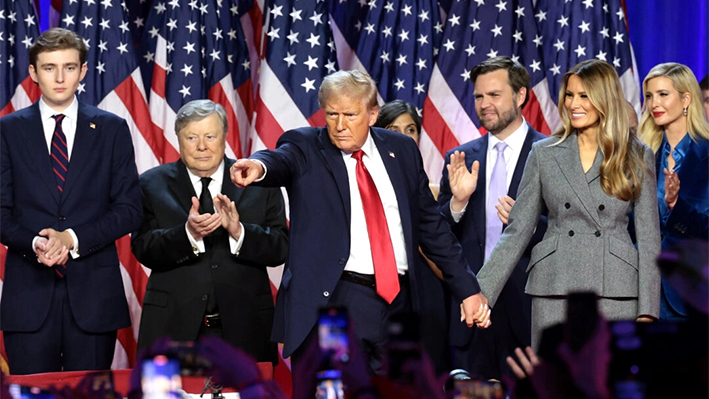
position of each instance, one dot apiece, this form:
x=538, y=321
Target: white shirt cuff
x=234, y=244
x=197, y=245
x=74, y=252
x=457, y=215
x=265, y=170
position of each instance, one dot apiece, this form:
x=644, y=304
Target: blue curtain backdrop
x=660, y=31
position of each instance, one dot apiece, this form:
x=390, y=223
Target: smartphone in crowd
x=24, y=392
x=161, y=378
x=403, y=345
x=476, y=389
x=581, y=319
x=330, y=385
x=333, y=324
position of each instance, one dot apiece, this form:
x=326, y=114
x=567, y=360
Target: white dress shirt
x=514, y=142
x=360, y=259
x=215, y=187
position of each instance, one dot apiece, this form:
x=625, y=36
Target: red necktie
x=59, y=157
x=385, y=273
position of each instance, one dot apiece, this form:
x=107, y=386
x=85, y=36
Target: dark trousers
x=59, y=344
x=369, y=315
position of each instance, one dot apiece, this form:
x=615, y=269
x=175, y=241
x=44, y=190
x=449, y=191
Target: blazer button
x=598, y=233
x=204, y=297
x=325, y=294
x=342, y=261
x=601, y=207
x=571, y=233
x=215, y=266
x=567, y=205
x=62, y=218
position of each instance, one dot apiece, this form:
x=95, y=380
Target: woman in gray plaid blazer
x=590, y=176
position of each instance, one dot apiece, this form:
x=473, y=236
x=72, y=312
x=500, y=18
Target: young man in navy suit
x=360, y=208
x=69, y=189
x=477, y=209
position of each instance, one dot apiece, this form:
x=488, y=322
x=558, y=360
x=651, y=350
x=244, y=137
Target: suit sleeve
x=267, y=243
x=160, y=249
x=12, y=233
x=283, y=163
x=124, y=212
x=523, y=219
x=687, y=219
x=647, y=226
x=438, y=242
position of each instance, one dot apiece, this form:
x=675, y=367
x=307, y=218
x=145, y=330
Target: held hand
x=245, y=171
x=462, y=182
x=60, y=254
x=202, y=225
x=475, y=310
x=63, y=237
x=230, y=216
x=503, y=210
x=671, y=188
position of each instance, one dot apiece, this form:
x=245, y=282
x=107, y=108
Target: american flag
x=265, y=59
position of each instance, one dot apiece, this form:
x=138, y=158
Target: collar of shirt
x=215, y=185
x=678, y=153
x=71, y=114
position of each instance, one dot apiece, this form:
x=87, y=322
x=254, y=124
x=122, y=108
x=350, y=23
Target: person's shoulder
x=536, y=135
x=547, y=142
x=160, y=172
x=468, y=147
x=23, y=113
x=92, y=112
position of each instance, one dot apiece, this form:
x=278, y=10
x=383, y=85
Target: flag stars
x=407, y=10
x=465, y=75
x=105, y=24
x=480, y=2
x=618, y=37
x=89, y=2
x=122, y=48
x=470, y=50
x=497, y=30
x=580, y=51
x=193, y=5
x=369, y=28
x=316, y=18
x=192, y=26
x=389, y=6
x=620, y=14
x=454, y=20
x=311, y=63
x=520, y=12
x=421, y=64
x=384, y=57
x=399, y=84
x=314, y=40
x=330, y=66
x=559, y=45
x=215, y=55
x=588, y=3
x=604, y=33
x=101, y=67
x=124, y=27
x=403, y=35
x=174, y=4
x=154, y=32
x=217, y=34
x=535, y=65
x=186, y=69
x=501, y=6
x=308, y=85
x=246, y=64
x=423, y=39
x=295, y=15
x=149, y=57
x=540, y=16
x=273, y=33
x=68, y=20
x=172, y=24
x=386, y=31
x=555, y=69
x=231, y=34
x=537, y=40
x=275, y=12
x=185, y=91
x=517, y=36
x=449, y=45
x=401, y=59
x=475, y=25
x=585, y=27
x=203, y=9
x=189, y=47
x=87, y=22
x=563, y=21
x=293, y=37
x=616, y=62
x=601, y=55
x=358, y=26
x=160, y=8
x=424, y=16
x=438, y=27
x=170, y=47
x=492, y=53
x=419, y=88
x=139, y=22
x=289, y=59
x=27, y=42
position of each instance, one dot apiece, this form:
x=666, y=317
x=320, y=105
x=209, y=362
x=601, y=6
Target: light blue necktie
x=497, y=188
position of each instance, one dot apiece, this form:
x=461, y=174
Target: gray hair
x=197, y=110
x=351, y=84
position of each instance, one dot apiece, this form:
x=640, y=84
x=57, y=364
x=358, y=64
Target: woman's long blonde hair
x=623, y=167
x=684, y=81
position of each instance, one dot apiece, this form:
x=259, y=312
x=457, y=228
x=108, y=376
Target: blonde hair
x=684, y=81
x=623, y=166
x=355, y=83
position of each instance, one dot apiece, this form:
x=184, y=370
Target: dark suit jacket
x=176, y=295
x=101, y=202
x=313, y=171
x=512, y=314
x=690, y=216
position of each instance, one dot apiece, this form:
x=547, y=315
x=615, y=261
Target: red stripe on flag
x=219, y=96
x=125, y=337
x=138, y=277
x=7, y=110
x=130, y=95
x=158, y=83
x=266, y=125
x=31, y=89
x=256, y=17
x=318, y=118
x=246, y=94
x=533, y=114
x=437, y=129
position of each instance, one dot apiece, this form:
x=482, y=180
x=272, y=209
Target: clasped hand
x=52, y=247
x=226, y=215
x=475, y=310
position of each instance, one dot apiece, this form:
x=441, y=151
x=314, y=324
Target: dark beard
x=504, y=120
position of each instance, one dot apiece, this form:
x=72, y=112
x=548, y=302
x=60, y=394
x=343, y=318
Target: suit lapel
x=87, y=131
x=569, y=161
x=37, y=149
x=519, y=168
x=181, y=187
x=393, y=167
x=336, y=166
